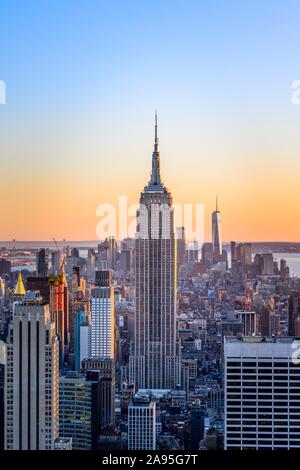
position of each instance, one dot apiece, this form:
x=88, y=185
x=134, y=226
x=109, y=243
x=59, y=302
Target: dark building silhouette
x=197, y=428
x=294, y=311
x=103, y=278
x=104, y=369
x=42, y=262
x=5, y=267
x=41, y=284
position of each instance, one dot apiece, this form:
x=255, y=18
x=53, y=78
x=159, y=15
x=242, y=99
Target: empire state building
x=155, y=359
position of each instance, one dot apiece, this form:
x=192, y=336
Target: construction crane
x=56, y=245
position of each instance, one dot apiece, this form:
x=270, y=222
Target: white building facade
x=262, y=393
x=142, y=424
x=103, y=323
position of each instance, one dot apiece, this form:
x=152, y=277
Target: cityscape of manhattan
x=150, y=258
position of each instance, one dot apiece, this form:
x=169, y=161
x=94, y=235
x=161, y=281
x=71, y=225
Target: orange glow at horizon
x=37, y=211
x=58, y=196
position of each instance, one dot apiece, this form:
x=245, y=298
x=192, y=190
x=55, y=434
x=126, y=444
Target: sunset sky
x=83, y=79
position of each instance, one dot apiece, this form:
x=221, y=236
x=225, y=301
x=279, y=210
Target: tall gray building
x=155, y=360
x=216, y=234
x=142, y=424
x=31, y=378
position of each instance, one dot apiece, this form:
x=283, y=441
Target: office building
x=284, y=269
x=2, y=392
x=82, y=337
x=207, y=254
x=126, y=260
x=55, y=262
x=233, y=251
x=112, y=252
x=181, y=251
x=268, y=264
x=79, y=409
x=249, y=321
x=106, y=372
x=103, y=278
x=196, y=428
x=155, y=360
x=79, y=303
x=41, y=284
x=294, y=312
x=31, y=378
x=262, y=402
x=59, y=311
x=103, y=317
x=269, y=321
x=244, y=254
x=42, y=260
x=142, y=424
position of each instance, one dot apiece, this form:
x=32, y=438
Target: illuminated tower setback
x=155, y=359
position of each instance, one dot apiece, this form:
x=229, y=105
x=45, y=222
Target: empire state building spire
x=155, y=175
x=155, y=359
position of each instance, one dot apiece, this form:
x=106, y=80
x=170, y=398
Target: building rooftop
x=139, y=401
x=261, y=339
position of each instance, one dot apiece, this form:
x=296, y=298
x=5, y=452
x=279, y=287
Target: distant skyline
x=83, y=80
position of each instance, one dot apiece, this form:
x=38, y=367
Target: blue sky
x=84, y=77
x=104, y=52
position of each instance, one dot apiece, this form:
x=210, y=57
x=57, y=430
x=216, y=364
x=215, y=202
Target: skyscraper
x=233, y=251
x=106, y=372
x=142, y=424
x=80, y=408
x=112, y=252
x=181, y=250
x=294, y=312
x=155, y=359
x=55, y=262
x=244, y=253
x=103, y=317
x=42, y=260
x=59, y=311
x=249, y=321
x=82, y=337
x=31, y=378
x=262, y=405
x=269, y=321
x=2, y=393
x=216, y=234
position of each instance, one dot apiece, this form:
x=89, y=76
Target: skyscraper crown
x=155, y=183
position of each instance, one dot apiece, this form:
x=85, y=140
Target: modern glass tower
x=216, y=234
x=155, y=359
